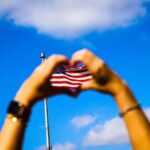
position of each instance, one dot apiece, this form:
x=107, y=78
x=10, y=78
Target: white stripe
x=77, y=74
x=78, y=79
x=66, y=85
x=64, y=79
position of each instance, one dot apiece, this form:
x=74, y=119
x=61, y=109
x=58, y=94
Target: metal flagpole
x=48, y=144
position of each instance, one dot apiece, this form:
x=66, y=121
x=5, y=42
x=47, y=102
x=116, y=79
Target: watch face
x=16, y=109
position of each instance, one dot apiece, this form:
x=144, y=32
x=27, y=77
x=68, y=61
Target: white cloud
x=66, y=146
x=147, y=112
x=82, y=121
x=43, y=147
x=110, y=133
x=71, y=18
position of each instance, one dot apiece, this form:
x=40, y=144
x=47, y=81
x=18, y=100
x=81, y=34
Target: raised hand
x=37, y=86
x=107, y=81
x=104, y=79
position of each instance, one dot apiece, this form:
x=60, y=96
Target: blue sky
x=117, y=31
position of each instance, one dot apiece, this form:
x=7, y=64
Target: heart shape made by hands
x=69, y=77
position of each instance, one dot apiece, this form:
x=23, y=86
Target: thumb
x=86, y=86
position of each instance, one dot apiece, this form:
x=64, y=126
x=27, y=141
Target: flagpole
x=48, y=144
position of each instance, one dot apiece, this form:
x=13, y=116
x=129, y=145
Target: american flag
x=70, y=77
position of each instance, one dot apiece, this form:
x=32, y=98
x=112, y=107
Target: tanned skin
x=37, y=87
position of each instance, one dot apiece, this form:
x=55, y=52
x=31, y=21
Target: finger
x=54, y=60
x=48, y=66
x=87, y=58
x=87, y=86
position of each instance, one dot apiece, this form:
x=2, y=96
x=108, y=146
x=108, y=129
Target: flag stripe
x=73, y=78
x=78, y=74
x=76, y=71
x=67, y=80
x=65, y=85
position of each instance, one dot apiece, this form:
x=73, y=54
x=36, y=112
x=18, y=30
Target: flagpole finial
x=42, y=55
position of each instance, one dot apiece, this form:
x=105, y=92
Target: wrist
x=18, y=112
x=123, y=92
x=24, y=98
x=119, y=88
x=125, y=98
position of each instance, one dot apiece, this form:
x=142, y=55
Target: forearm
x=137, y=124
x=107, y=81
x=12, y=135
x=36, y=87
x=13, y=131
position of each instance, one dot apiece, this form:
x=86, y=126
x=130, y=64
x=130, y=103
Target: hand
x=37, y=86
x=104, y=79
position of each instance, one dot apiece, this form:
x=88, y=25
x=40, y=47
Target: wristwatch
x=17, y=111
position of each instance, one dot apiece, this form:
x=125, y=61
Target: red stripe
x=80, y=76
x=64, y=82
x=61, y=77
x=74, y=67
x=69, y=82
x=68, y=87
